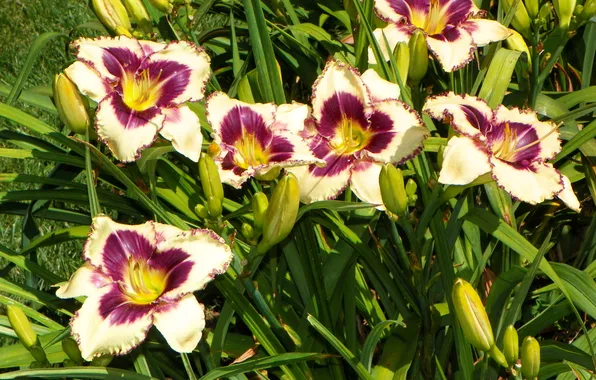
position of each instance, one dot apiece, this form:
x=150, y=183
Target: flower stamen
x=140, y=91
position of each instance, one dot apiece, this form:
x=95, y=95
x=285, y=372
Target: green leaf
x=498, y=77
x=76, y=372
x=372, y=339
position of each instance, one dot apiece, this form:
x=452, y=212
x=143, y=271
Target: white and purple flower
x=511, y=144
x=452, y=28
x=358, y=126
x=141, y=88
x=137, y=276
x=257, y=139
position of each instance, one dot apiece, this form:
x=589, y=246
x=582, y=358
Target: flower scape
x=369, y=189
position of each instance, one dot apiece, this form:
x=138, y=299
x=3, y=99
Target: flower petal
x=184, y=69
x=546, y=132
x=110, y=245
x=457, y=11
x=191, y=259
x=124, y=131
x=464, y=160
x=394, y=34
x=396, y=10
x=109, y=323
x=183, y=127
x=468, y=115
x=230, y=173
x=88, y=81
x=231, y=119
x=531, y=184
x=453, y=47
x=484, y=31
x=323, y=183
x=110, y=57
x=568, y=195
x=291, y=117
x=380, y=89
x=337, y=93
x=84, y=282
x=181, y=323
x=398, y=132
x=365, y=183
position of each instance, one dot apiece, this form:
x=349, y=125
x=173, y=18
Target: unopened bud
x=260, y=203
x=247, y=231
x=164, y=6
x=564, y=10
x=589, y=10
x=393, y=192
x=214, y=207
x=71, y=349
x=532, y=6
x=411, y=187
x=22, y=327
x=213, y=149
x=521, y=20
x=281, y=213
x=113, y=16
x=472, y=316
x=71, y=105
x=546, y=11
x=210, y=179
x=201, y=211
x=418, y=56
x=268, y=175
x=511, y=345
x=137, y=11
x=102, y=361
x=516, y=42
x=402, y=59
x=530, y=358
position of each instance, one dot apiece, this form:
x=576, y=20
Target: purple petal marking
x=173, y=77
x=119, y=60
x=449, y=34
x=242, y=120
x=476, y=118
x=130, y=119
x=382, y=126
x=118, y=309
x=173, y=263
x=341, y=105
x=456, y=11
x=525, y=134
x=335, y=164
x=419, y=6
x=120, y=245
x=280, y=149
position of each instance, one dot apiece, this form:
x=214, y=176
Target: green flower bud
x=472, y=316
x=393, y=192
x=546, y=12
x=210, y=179
x=532, y=6
x=530, y=358
x=564, y=10
x=412, y=200
x=113, y=16
x=411, y=187
x=260, y=204
x=247, y=231
x=71, y=105
x=102, y=360
x=71, y=349
x=214, y=207
x=418, y=56
x=521, y=20
x=164, y=6
x=516, y=42
x=139, y=14
x=21, y=326
x=281, y=213
x=511, y=345
x=269, y=175
x=201, y=211
x=402, y=58
x=589, y=10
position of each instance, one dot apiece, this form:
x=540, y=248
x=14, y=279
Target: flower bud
x=532, y=6
x=546, y=12
x=589, y=10
x=247, y=231
x=530, y=358
x=511, y=345
x=281, y=213
x=139, y=14
x=102, y=360
x=411, y=187
x=213, y=149
x=164, y=6
x=214, y=207
x=521, y=20
x=393, y=192
x=71, y=106
x=260, y=204
x=71, y=349
x=564, y=10
x=472, y=316
x=402, y=59
x=22, y=327
x=516, y=42
x=201, y=211
x=268, y=175
x=112, y=15
x=210, y=180
x=418, y=56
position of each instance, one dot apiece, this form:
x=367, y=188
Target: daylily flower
x=453, y=28
x=141, y=88
x=511, y=144
x=358, y=125
x=257, y=139
x=137, y=276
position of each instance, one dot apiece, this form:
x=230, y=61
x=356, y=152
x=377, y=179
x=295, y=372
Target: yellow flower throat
x=140, y=91
x=350, y=137
x=145, y=284
x=432, y=23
